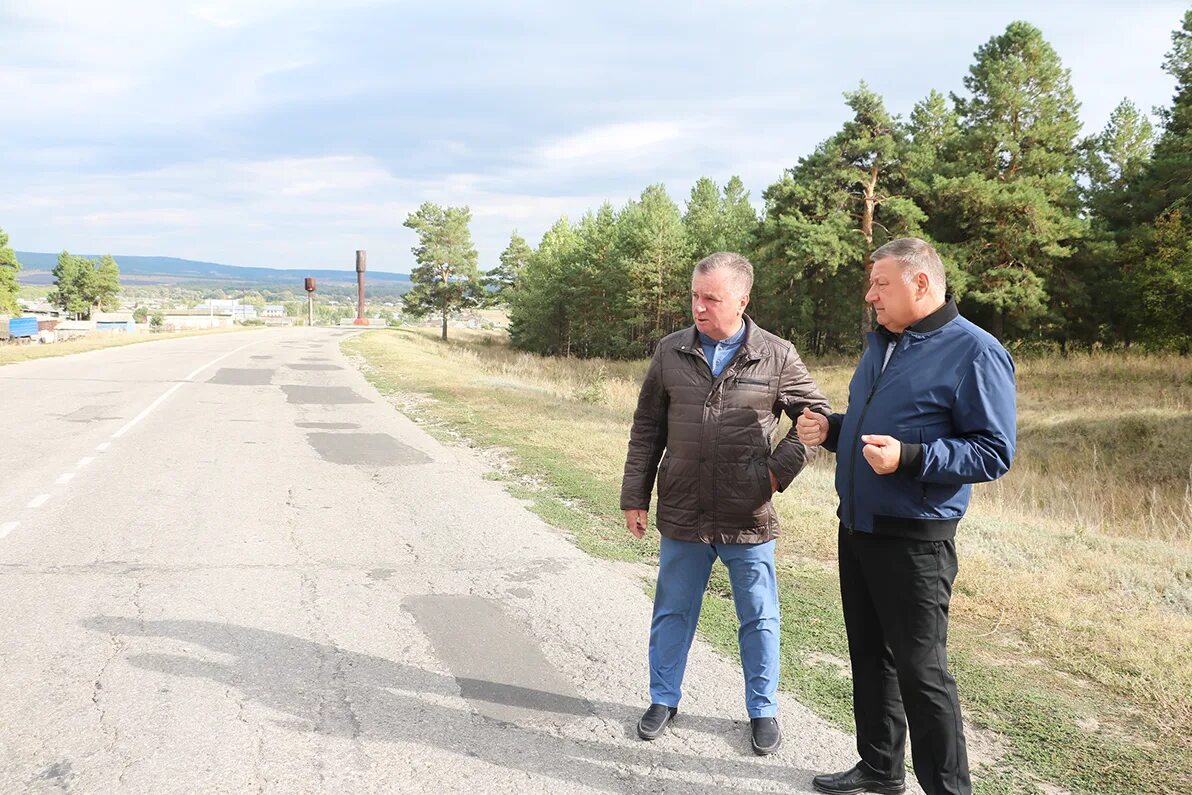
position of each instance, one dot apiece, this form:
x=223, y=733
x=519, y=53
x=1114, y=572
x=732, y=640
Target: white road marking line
x=128, y=425
x=220, y=358
x=7, y=528
x=103, y=446
x=64, y=478
x=38, y=501
x=84, y=461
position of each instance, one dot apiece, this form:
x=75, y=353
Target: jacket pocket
x=746, y=382
x=764, y=480
x=663, y=469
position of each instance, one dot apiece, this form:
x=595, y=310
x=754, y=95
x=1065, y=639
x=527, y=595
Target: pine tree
x=1114, y=161
x=9, y=267
x=824, y=218
x=740, y=224
x=74, y=284
x=653, y=242
x=716, y=221
x=1100, y=302
x=599, y=283
x=1163, y=275
x=539, y=318
x=503, y=279
x=1168, y=181
x=1157, y=252
x=1012, y=186
x=446, y=278
x=703, y=219
x=105, y=285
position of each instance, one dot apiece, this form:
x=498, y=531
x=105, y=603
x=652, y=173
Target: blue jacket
x=948, y=395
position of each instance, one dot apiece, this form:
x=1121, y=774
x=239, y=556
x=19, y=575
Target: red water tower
x=309, y=285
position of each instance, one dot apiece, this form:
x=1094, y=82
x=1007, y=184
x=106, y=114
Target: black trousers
x=895, y=593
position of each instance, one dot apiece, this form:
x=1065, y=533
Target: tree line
x=1047, y=237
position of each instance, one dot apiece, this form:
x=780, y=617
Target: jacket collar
x=737, y=338
x=933, y=322
x=753, y=346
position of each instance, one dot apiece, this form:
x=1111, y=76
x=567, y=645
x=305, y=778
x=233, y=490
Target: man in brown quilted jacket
x=704, y=425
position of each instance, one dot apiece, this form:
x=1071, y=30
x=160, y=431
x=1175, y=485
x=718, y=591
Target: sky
x=290, y=133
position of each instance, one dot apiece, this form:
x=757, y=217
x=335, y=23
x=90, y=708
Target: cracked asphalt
x=224, y=569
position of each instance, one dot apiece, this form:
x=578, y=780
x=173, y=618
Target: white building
x=232, y=307
x=180, y=319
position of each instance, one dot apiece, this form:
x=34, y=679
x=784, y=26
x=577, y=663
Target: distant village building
x=273, y=311
x=182, y=319
x=232, y=307
x=39, y=309
x=121, y=322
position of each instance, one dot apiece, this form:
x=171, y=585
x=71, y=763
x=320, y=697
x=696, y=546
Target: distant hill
x=36, y=269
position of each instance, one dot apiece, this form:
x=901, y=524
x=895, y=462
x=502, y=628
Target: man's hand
x=812, y=428
x=773, y=483
x=882, y=452
x=636, y=520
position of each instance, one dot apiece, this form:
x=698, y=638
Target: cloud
x=290, y=132
x=613, y=142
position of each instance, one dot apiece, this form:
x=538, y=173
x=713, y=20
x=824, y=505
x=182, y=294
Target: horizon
x=118, y=257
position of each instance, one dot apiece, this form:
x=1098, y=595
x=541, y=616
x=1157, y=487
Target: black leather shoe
x=765, y=735
x=861, y=778
x=654, y=720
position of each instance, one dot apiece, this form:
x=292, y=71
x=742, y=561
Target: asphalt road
x=228, y=565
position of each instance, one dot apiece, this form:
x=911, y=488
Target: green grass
x=1054, y=627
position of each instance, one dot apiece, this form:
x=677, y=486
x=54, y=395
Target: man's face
x=893, y=298
x=716, y=304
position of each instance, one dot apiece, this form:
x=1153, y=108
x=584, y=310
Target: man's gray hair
x=740, y=268
x=915, y=255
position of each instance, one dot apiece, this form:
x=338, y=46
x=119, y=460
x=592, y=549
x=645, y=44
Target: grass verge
x=1071, y=646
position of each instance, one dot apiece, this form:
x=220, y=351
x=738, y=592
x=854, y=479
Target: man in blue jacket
x=931, y=411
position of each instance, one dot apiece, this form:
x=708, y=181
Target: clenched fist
x=882, y=452
x=812, y=428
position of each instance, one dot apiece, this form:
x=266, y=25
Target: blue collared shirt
x=720, y=353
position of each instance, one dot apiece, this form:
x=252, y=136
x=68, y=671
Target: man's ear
x=922, y=284
x=744, y=303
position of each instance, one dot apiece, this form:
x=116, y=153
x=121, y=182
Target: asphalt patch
x=496, y=663
x=255, y=376
x=329, y=426
x=90, y=414
x=322, y=395
x=365, y=449
x=314, y=367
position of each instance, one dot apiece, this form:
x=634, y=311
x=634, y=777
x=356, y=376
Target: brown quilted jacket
x=710, y=441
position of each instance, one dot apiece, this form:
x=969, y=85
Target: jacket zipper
x=718, y=382
x=852, y=481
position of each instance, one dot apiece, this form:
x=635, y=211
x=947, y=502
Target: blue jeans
x=683, y=571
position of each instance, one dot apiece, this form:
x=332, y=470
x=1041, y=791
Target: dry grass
x=10, y=354
x=1076, y=569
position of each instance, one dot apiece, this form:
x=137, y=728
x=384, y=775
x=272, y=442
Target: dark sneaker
x=655, y=720
x=766, y=736
x=861, y=778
